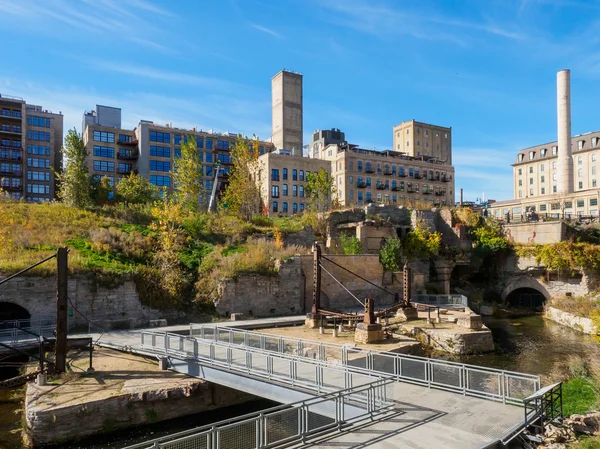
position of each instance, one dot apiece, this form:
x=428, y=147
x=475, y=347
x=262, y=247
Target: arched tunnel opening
x=10, y=311
x=526, y=298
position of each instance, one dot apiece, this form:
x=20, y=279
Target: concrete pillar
x=564, y=165
x=443, y=270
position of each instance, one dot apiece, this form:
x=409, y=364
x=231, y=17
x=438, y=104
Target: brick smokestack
x=564, y=166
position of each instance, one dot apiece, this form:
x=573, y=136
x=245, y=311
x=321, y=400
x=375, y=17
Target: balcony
x=427, y=192
x=361, y=185
x=417, y=176
x=448, y=179
x=126, y=171
x=125, y=156
x=8, y=129
x=410, y=190
x=369, y=170
x=15, y=115
x=387, y=173
x=396, y=189
x=12, y=188
x=402, y=174
x=125, y=142
x=15, y=173
x=440, y=193
x=381, y=187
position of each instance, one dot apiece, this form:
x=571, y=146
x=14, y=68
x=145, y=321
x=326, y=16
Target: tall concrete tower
x=564, y=164
x=286, y=97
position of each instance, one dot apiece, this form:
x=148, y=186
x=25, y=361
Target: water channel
x=528, y=344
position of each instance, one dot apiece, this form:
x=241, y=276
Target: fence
x=312, y=375
x=16, y=335
x=282, y=425
x=488, y=383
x=444, y=301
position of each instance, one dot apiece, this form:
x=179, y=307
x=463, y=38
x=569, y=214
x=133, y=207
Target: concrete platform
x=429, y=419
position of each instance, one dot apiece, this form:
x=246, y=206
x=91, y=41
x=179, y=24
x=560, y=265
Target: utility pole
x=61, y=310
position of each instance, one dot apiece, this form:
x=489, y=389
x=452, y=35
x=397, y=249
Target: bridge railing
x=278, y=426
x=313, y=375
x=16, y=335
x=487, y=383
x=441, y=300
x=27, y=323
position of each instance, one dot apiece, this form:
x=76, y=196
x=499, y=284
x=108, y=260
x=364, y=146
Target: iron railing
x=285, y=369
x=282, y=425
x=27, y=323
x=449, y=301
x=508, y=387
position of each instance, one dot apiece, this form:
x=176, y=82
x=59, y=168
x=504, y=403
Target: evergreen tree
x=187, y=175
x=135, y=189
x=75, y=188
x=242, y=195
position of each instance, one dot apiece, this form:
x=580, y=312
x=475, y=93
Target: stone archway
x=12, y=311
x=533, y=291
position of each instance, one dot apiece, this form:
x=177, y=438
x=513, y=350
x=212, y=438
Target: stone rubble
x=557, y=435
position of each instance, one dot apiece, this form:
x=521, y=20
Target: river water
x=528, y=344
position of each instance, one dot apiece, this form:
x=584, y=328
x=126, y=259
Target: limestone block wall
x=394, y=214
x=257, y=295
x=428, y=217
x=108, y=308
x=370, y=234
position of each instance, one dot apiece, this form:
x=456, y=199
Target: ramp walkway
x=418, y=402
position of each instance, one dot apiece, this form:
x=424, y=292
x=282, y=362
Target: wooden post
x=316, y=305
x=61, y=310
x=407, y=281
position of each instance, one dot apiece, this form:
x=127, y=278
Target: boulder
x=486, y=310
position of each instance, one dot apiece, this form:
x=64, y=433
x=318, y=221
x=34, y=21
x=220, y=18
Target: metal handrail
x=302, y=431
x=247, y=363
x=17, y=335
x=471, y=380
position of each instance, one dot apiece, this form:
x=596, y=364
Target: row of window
x=542, y=166
x=43, y=136
x=297, y=175
x=15, y=155
x=104, y=166
x=160, y=165
x=43, y=189
x=160, y=181
x=544, y=151
x=102, y=136
x=284, y=207
x=104, y=151
x=38, y=163
x=10, y=143
x=34, y=120
x=10, y=168
x=8, y=113
x=295, y=190
x=11, y=129
x=556, y=206
x=38, y=176
x=41, y=150
x=594, y=184
x=11, y=182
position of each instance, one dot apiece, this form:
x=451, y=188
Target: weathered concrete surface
x=108, y=308
x=580, y=324
x=124, y=391
x=257, y=295
x=539, y=233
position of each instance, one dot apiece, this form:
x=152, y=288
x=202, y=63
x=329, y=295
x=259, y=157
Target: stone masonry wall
x=257, y=295
x=108, y=308
x=334, y=297
x=580, y=324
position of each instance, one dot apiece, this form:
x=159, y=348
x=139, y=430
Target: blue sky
x=487, y=68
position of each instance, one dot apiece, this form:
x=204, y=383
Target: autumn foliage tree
x=75, y=188
x=135, y=189
x=187, y=175
x=242, y=196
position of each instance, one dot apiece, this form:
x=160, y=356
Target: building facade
x=536, y=180
x=282, y=181
x=388, y=177
x=150, y=150
x=419, y=139
x=30, y=149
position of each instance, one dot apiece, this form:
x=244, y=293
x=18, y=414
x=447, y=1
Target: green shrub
x=350, y=244
x=390, y=255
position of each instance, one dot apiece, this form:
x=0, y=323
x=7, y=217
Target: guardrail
x=21, y=334
x=285, y=369
x=282, y=425
x=27, y=323
x=487, y=383
x=441, y=300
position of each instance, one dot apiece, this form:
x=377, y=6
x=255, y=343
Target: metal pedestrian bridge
x=325, y=388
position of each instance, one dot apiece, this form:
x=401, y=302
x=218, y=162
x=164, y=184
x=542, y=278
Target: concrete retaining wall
x=539, y=232
x=580, y=324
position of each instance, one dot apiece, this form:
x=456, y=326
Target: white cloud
x=266, y=30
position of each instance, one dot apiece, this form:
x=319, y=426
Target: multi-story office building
x=418, y=139
x=31, y=139
x=388, y=177
x=557, y=178
x=150, y=149
x=282, y=181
